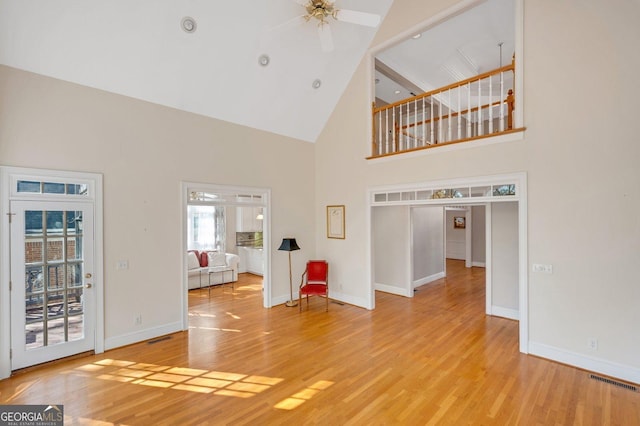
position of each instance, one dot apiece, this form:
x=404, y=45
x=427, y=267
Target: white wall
x=144, y=152
x=230, y=222
x=478, y=235
x=391, y=251
x=455, y=237
x=428, y=244
x=580, y=149
x=504, y=257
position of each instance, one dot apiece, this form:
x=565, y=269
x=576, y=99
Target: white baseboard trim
x=333, y=295
x=349, y=299
x=142, y=335
x=586, y=362
x=279, y=300
x=429, y=279
x=499, y=311
x=479, y=264
x=391, y=289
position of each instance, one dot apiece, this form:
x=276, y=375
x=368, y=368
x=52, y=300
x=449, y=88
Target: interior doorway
x=504, y=198
x=229, y=205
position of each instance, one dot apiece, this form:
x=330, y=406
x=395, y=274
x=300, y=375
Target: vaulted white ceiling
x=138, y=49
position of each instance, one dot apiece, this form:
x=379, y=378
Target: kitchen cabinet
x=247, y=219
x=251, y=260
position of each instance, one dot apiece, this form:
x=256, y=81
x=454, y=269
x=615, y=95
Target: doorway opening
x=393, y=241
x=229, y=229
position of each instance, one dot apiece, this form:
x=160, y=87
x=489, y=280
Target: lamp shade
x=289, y=244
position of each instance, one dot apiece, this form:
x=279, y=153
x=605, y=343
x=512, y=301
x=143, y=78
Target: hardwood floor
x=433, y=359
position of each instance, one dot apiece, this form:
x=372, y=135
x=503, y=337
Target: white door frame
x=519, y=179
x=8, y=192
x=186, y=188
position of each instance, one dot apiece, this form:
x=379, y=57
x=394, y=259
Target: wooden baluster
x=449, y=118
x=459, y=114
x=480, y=130
x=431, y=123
x=490, y=106
x=394, y=138
x=387, y=128
x=511, y=100
x=501, y=101
x=402, y=142
x=439, y=136
x=424, y=123
x=415, y=123
x=379, y=133
x=469, y=110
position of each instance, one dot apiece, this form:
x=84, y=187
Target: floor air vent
x=151, y=342
x=614, y=382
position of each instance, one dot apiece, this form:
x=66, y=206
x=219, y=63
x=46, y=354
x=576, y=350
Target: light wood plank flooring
x=433, y=359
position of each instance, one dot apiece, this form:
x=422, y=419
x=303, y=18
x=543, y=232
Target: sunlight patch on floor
x=193, y=327
x=299, y=398
x=201, y=314
x=179, y=378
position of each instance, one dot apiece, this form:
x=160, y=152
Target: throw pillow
x=217, y=259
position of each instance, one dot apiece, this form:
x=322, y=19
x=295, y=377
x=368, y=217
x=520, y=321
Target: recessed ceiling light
x=264, y=60
x=397, y=92
x=316, y=83
x=417, y=36
x=188, y=24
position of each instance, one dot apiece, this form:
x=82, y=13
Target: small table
x=222, y=270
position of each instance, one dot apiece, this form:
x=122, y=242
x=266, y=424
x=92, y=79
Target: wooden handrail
x=510, y=67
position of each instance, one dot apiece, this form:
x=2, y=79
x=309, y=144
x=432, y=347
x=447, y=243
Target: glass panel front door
x=51, y=275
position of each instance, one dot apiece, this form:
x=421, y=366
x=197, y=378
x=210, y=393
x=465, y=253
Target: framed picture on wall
x=335, y=222
x=459, y=222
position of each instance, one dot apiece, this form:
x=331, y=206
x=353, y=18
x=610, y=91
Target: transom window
x=43, y=187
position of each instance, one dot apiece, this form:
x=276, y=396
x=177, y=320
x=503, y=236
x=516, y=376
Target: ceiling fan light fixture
x=320, y=9
x=188, y=24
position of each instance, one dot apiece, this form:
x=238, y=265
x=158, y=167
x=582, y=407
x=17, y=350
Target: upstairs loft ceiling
x=139, y=49
x=456, y=49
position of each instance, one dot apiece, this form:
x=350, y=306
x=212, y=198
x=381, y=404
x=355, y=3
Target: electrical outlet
x=592, y=344
x=138, y=319
x=547, y=269
x=122, y=264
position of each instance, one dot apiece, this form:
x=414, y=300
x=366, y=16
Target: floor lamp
x=289, y=244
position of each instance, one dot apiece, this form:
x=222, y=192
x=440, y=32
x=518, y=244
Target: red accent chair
x=317, y=281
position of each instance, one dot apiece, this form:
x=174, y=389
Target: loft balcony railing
x=475, y=108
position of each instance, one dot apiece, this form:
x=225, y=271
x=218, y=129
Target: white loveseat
x=210, y=267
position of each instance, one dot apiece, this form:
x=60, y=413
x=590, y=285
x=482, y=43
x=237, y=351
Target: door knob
x=88, y=275
x=89, y=285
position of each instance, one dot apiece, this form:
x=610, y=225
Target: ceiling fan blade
x=326, y=39
x=360, y=18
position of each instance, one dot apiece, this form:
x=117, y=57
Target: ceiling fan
x=321, y=10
